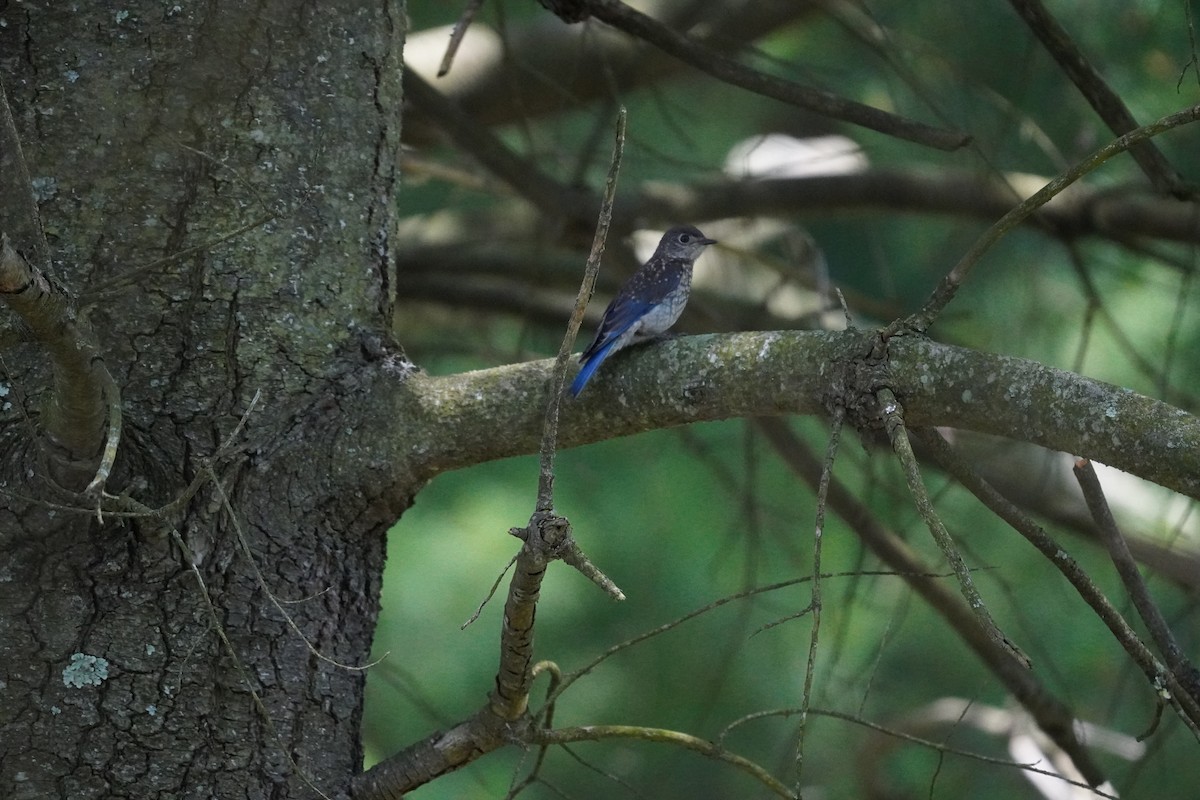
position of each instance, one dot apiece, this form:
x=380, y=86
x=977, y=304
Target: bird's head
x=683, y=242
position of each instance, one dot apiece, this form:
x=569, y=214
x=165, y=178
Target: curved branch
x=729, y=71
x=82, y=421
x=536, y=66
x=592, y=733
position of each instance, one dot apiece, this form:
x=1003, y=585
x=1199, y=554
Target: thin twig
x=244, y=544
x=810, y=668
x=572, y=677
x=587, y=733
x=114, y=286
x=944, y=748
x=897, y=432
x=490, y=594
x=18, y=187
x=1052, y=716
x=1100, y=96
x=948, y=459
x=939, y=747
x=108, y=456
x=950, y=284
x=216, y=625
x=1192, y=61
x=456, y=36
x=545, y=496
x=521, y=174
x=1118, y=551
x=1096, y=305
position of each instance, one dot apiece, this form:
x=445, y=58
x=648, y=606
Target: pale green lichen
x=85, y=670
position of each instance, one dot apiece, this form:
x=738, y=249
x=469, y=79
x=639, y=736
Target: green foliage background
x=682, y=518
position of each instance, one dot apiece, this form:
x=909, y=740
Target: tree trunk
x=216, y=183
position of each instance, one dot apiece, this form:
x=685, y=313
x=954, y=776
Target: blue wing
x=620, y=316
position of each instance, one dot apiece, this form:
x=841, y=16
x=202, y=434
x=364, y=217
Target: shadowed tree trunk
x=216, y=183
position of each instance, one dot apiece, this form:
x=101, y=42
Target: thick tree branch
x=433, y=756
x=494, y=413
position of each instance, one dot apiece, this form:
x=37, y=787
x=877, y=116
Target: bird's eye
x=684, y=238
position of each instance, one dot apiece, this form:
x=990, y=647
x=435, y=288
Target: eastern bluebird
x=649, y=302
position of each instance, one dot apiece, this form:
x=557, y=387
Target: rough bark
x=152, y=133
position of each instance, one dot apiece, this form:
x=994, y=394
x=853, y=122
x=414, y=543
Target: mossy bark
x=216, y=183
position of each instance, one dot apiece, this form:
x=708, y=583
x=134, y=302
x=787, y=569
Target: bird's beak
x=708, y=241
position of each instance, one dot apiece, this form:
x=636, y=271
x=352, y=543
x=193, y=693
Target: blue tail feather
x=589, y=368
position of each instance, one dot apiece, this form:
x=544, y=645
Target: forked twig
x=505, y=717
